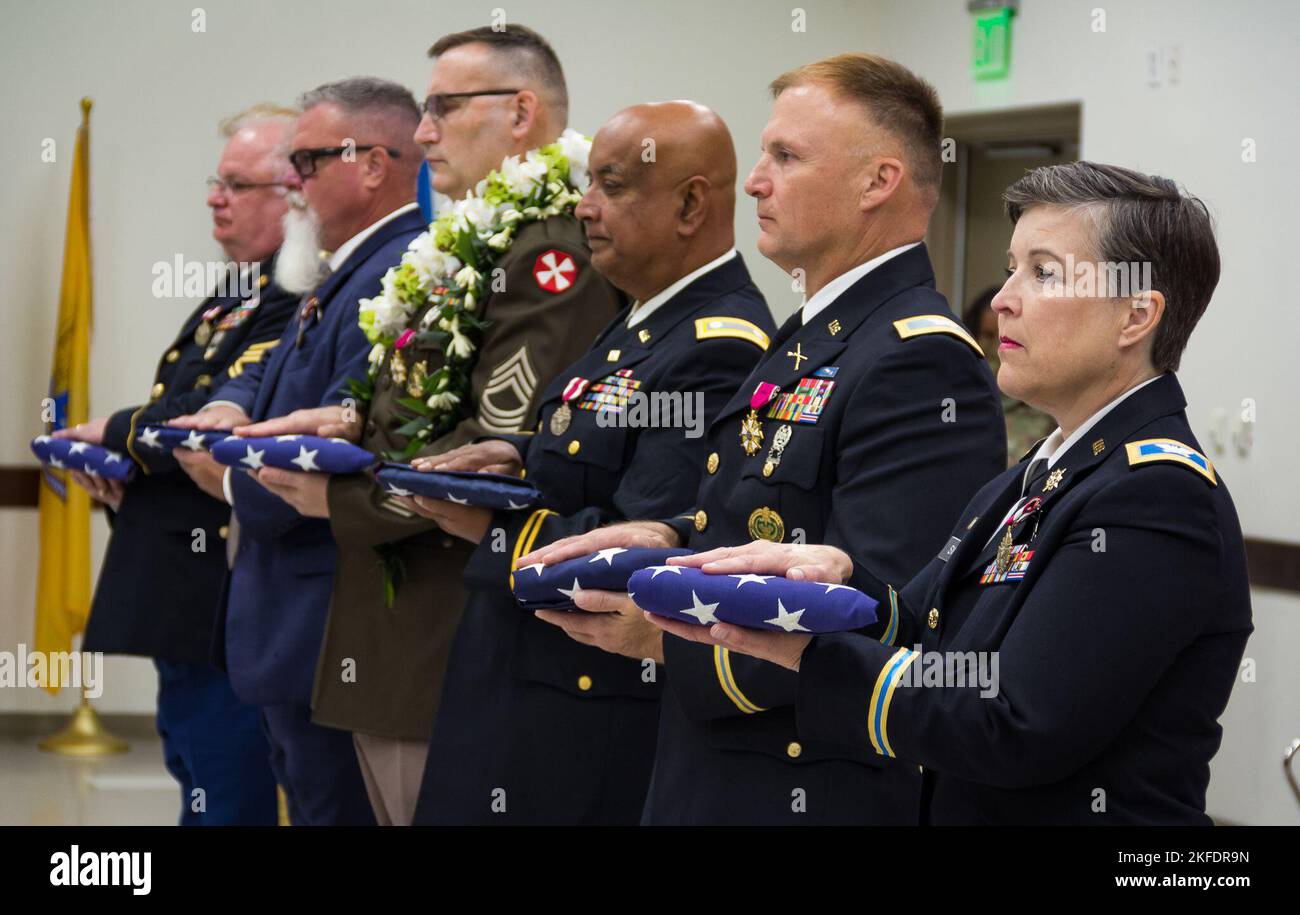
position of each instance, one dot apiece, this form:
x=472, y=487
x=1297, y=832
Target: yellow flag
x=63, y=581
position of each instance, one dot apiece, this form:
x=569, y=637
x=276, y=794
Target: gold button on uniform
x=575, y=446
x=203, y=381
x=712, y=465
x=157, y=390
x=584, y=683
x=173, y=355
x=794, y=750
x=223, y=532
x=933, y=620
x=701, y=520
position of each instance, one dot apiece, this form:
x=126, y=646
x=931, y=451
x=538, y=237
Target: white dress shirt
x=643, y=310
x=345, y=250
x=835, y=288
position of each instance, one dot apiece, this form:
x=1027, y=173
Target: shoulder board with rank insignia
x=934, y=324
x=739, y=328
x=1166, y=449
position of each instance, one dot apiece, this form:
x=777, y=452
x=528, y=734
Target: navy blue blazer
x=278, y=592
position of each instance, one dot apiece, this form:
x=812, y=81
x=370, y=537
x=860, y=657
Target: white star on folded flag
x=287, y=438
x=150, y=438
x=536, y=567
x=510, y=503
x=451, y=498
x=393, y=490
x=112, y=456
x=253, y=458
x=55, y=462
x=42, y=439
x=194, y=441
x=572, y=591
x=830, y=588
x=306, y=459
x=656, y=571
x=607, y=555
x=91, y=472
x=761, y=579
x=787, y=620
x=77, y=448
x=701, y=611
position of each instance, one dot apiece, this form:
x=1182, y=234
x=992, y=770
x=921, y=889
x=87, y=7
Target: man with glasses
x=356, y=165
x=492, y=95
x=157, y=593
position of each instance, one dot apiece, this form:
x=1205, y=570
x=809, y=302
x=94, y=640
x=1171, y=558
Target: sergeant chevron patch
x=508, y=391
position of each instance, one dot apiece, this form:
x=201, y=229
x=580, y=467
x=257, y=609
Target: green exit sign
x=991, y=51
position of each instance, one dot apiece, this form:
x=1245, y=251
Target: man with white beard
x=356, y=164
x=157, y=596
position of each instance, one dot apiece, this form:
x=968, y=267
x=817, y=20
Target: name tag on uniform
x=949, y=548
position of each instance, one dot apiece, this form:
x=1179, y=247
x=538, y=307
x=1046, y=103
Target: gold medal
x=203, y=333
x=751, y=433
x=766, y=524
x=1004, y=551
x=560, y=419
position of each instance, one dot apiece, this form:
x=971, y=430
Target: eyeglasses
x=233, y=186
x=304, y=160
x=435, y=106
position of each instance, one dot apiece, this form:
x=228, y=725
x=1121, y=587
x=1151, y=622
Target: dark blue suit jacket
x=278, y=593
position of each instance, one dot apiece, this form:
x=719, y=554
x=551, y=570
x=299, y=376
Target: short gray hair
x=366, y=96
x=1137, y=218
x=254, y=114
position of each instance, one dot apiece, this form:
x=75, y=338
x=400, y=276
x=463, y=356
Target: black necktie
x=1037, y=473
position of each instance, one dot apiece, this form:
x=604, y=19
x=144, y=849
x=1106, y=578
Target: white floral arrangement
x=448, y=268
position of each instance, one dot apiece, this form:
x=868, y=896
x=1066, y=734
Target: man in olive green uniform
x=491, y=95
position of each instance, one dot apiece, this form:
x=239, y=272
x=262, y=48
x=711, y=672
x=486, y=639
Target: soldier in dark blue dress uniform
x=535, y=727
x=159, y=586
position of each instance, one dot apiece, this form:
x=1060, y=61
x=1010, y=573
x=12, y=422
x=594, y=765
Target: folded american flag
x=551, y=587
x=94, y=460
x=305, y=453
x=486, y=490
x=754, y=601
x=165, y=438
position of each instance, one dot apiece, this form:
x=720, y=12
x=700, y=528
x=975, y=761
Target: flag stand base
x=84, y=736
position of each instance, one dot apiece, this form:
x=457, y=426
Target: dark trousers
x=214, y=747
x=317, y=768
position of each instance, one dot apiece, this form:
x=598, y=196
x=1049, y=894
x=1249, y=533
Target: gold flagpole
x=63, y=591
x=84, y=736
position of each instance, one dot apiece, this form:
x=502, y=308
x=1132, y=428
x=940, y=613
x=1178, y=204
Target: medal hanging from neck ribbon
x=751, y=430
x=1005, y=545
